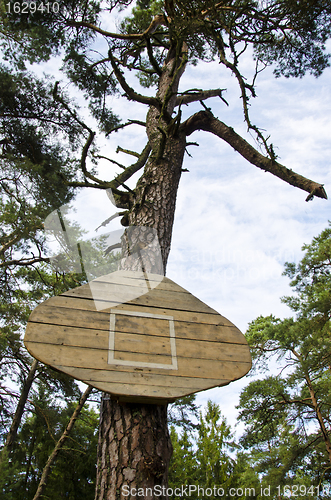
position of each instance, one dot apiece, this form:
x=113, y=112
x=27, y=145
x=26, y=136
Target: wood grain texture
x=157, y=347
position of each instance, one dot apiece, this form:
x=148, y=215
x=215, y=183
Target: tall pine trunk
x=134, y=447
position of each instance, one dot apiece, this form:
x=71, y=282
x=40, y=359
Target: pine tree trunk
x=319, y=415
x=134, y=448
x=135, y=451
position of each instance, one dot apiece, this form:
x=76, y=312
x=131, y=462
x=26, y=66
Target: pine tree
x=157, y=40
x=288, y=415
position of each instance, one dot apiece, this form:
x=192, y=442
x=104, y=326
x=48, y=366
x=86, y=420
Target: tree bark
x=134, y=451
x=134, y=447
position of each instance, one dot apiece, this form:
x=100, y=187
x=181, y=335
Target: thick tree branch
x=131, y=93
x=152, y=58
x=157, y=21
x=132, y=169
x=201, y=95
x=204, y=120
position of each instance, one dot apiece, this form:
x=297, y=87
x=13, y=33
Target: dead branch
x=130, y=122
x=204, y=120
x=132, y=169
x=127, y=151
x=200, y=95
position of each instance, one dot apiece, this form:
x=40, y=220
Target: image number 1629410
x=33, y=7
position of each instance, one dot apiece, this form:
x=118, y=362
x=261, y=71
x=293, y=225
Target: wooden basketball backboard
x=163, y=344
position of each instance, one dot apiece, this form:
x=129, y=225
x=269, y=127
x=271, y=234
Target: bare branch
x=129, y=171
x=106, y=222
x=113, y=247
x=200, y=95
x=86, y=127
x=112, y=161
x=84, y=156
x=121, y=178
x=157, y=21
x=24, y=262
x=130, y=122
x=131, y=93
x=57, y=98
x=204, y=120
x=127, y=151
x=152, y=58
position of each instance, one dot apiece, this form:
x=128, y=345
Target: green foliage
x=184, y=466
x=183, y=412
x=35, y=36
x=287, y=416
x=291, y=35
x=204, y=458
x=311, y=279
x=142, y=15
x=302, y=49
x=214, y=443
x=73, y=473
x=36, y=138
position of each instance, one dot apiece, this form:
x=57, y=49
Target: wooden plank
x=131, y=279
x=183, y=330
x=186, y=348
x=67, y=336
x=132, y=344
x=155, y=298
x=93, y=375
x=66, y=355
x=72, y=317
x=148, y=391
x=57, y=313
x=73, y=302
x=153, y=386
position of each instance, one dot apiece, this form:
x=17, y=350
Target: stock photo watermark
x=193, y=490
